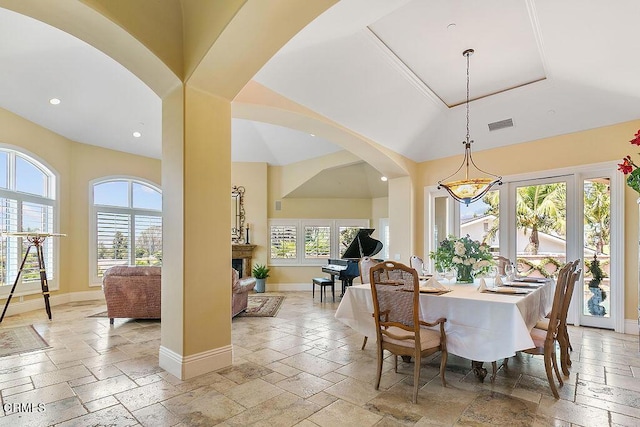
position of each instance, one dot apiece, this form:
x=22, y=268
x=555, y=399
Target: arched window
x=126, y=225
x=27, y=203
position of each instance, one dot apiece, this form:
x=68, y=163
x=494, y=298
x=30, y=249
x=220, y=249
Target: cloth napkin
x=498, y=281
x=433, y=283
x=483, y=285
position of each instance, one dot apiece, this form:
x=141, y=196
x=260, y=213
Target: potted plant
x=599, y=295
x=260, y=272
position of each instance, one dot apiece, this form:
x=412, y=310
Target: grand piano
x=347, y=268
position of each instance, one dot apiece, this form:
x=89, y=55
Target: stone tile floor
x=300, y=368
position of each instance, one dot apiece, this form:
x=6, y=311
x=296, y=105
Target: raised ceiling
x=389, y=70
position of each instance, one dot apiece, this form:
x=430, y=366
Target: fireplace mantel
x=245, y=253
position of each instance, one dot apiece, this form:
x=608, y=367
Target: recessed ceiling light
x=137, y=134
x=551, y=112
x=54, y=101
x=312, y=134
x=451, y=26
x=383, y=178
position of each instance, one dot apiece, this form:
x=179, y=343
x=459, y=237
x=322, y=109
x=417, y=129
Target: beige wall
x=307, y=208
x=253, y=177
x=379, y=209
x=593, y=146
x=76, y=165
x=402, y=232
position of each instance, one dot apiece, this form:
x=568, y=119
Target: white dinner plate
x=531, y=279
x=523, y=285
x=431, y=290
x=509, y=290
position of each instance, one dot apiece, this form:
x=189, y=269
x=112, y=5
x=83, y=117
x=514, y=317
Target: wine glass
x=509, y=271
x=425, y=270
x=493, y=273
x=449, y=274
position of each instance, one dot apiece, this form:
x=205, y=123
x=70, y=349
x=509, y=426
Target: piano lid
x=363, y=245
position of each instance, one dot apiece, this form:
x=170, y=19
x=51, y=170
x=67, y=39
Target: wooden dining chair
x=364, y=265
x=563, y=333
x=545, y=340
x=399, y=330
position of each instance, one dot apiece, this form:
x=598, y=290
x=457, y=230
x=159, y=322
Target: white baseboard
x=631, y=326
x=18, y=305
x=307, y=286
x=196, y=364
x=284, y=287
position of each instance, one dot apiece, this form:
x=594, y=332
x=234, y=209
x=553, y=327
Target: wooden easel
x=35, y=241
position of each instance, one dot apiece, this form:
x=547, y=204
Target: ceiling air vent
x=507, y=123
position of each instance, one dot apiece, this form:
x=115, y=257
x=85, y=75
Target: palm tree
x=541, y=208
x=492, y=200
x=597, y=214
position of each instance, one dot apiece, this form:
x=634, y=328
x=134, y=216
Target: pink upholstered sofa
x=240, y=289
x=132, y=292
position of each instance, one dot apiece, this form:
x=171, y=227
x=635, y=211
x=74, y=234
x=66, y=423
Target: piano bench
x=324, y=282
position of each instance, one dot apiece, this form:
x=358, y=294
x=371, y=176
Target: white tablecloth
x=480, y=326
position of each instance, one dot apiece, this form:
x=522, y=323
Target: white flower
x=458, y=248
x=468, y=261
x=456, y=260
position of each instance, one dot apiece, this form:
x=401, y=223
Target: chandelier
x=469, y=189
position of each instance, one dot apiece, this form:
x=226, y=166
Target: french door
x=540, y=222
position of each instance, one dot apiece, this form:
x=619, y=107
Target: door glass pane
x=440, y=229
x=597, y=243
x=541, y=222
x=480, y=219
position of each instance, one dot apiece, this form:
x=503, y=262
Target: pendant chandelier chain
x=468, y=190
x=468, y=54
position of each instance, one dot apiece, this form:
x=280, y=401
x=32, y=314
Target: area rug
x=20, y=340
x=262, y=306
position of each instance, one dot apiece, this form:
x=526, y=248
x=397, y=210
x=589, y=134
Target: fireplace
x=236, y=263
x=241, y=258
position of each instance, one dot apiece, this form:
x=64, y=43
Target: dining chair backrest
x=564, y=276
x=365, y=265
x=395, y=295
x=573, y=276
x=416, y=263
x=566, y=301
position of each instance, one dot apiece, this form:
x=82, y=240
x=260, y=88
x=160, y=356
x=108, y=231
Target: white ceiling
x=386, y=69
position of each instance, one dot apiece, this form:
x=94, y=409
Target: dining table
x=484, y=323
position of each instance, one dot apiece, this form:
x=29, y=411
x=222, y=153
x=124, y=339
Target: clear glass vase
x=465, y=274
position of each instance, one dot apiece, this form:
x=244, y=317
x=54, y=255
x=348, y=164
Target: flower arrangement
x=627, y=166
x=469, y=257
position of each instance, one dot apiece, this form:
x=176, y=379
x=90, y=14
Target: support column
x=401, y=219
x=196, y=283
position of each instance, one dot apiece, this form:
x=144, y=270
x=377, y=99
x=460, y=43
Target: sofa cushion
x=138, y=270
